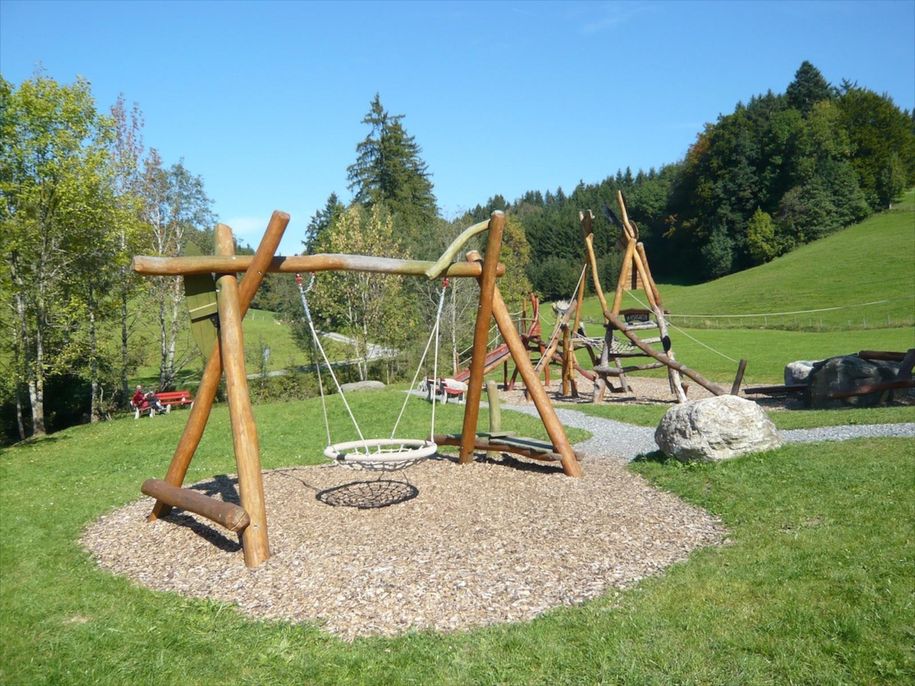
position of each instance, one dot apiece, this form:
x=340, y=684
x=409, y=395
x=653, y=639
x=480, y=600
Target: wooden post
x=209, y=382
x=621, y=283
x=495, y=411
x=640, y=247
x=481, y=335
x=548, y=416
x=244, y=430
x=567, y=364
x=741, y=368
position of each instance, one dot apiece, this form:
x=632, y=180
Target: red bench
x=166, y=399
x=169, y=398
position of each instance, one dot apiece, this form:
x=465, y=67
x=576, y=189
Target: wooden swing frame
x=226, y=355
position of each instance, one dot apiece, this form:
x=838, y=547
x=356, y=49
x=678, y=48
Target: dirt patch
x=465, y=546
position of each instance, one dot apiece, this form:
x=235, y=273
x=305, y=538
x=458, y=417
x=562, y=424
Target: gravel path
x=610, y=438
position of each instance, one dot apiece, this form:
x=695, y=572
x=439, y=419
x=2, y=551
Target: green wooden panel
x=200, y=295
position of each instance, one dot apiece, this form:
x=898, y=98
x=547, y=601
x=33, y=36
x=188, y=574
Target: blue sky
x=264, y=100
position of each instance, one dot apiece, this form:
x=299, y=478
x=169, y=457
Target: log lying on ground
x=229, y=515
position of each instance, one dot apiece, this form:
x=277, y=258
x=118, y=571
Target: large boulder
x=847, y=373
x=714, y=429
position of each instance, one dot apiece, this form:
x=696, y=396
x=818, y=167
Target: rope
x=786, y=314
x=433, y=334
x=317, y=342
x=692, y=338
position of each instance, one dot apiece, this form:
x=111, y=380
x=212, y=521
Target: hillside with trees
x=82, y=194
x=776, y=173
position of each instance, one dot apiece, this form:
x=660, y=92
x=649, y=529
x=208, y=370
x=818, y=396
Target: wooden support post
x=229, y=515
x=244, y=430
x=620, y=284
x=548, y=416
x=640, y=247
x=481, y=335
x=741, y=368
x=495, y=411
x=567, y=361
x=209, y=382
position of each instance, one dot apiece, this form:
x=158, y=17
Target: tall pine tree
x=389, y=171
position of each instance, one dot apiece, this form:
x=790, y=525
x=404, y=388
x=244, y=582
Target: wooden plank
x=777, y=390
x=885, y=355
x=200, y=297
x=228, y=515
x=865, y=389
x=611, y=371
x=484, y=445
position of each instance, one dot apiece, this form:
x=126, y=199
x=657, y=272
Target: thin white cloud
x=608, y=16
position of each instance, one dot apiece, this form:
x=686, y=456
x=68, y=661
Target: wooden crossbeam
x=295, y=264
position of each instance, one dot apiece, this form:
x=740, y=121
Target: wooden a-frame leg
x=209, y=382
x=244, y=430
x=480, y=337
x=542, y=402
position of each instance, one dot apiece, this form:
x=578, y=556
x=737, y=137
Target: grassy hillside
x=871, y=262
x=262, y=329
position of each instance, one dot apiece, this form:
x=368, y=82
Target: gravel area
x=478, y=544
x=843, y=433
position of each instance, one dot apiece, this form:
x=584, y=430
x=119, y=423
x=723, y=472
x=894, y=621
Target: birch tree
x=175, y=205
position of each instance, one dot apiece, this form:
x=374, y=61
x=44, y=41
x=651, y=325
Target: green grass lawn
x=814, y=586
x=262, y=329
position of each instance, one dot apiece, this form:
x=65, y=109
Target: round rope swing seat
x=380, y=454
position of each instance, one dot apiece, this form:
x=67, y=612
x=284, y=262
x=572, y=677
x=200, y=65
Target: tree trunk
x=93, y=359
x=176, y=296
x=163, y=341
x=454, y=345
x=125, y=360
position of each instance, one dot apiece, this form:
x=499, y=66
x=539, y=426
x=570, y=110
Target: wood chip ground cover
x=477, y=545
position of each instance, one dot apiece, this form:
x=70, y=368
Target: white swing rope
x=317, y=342
x=434, y=334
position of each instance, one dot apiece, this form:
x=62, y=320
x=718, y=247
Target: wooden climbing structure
x=625, y=348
